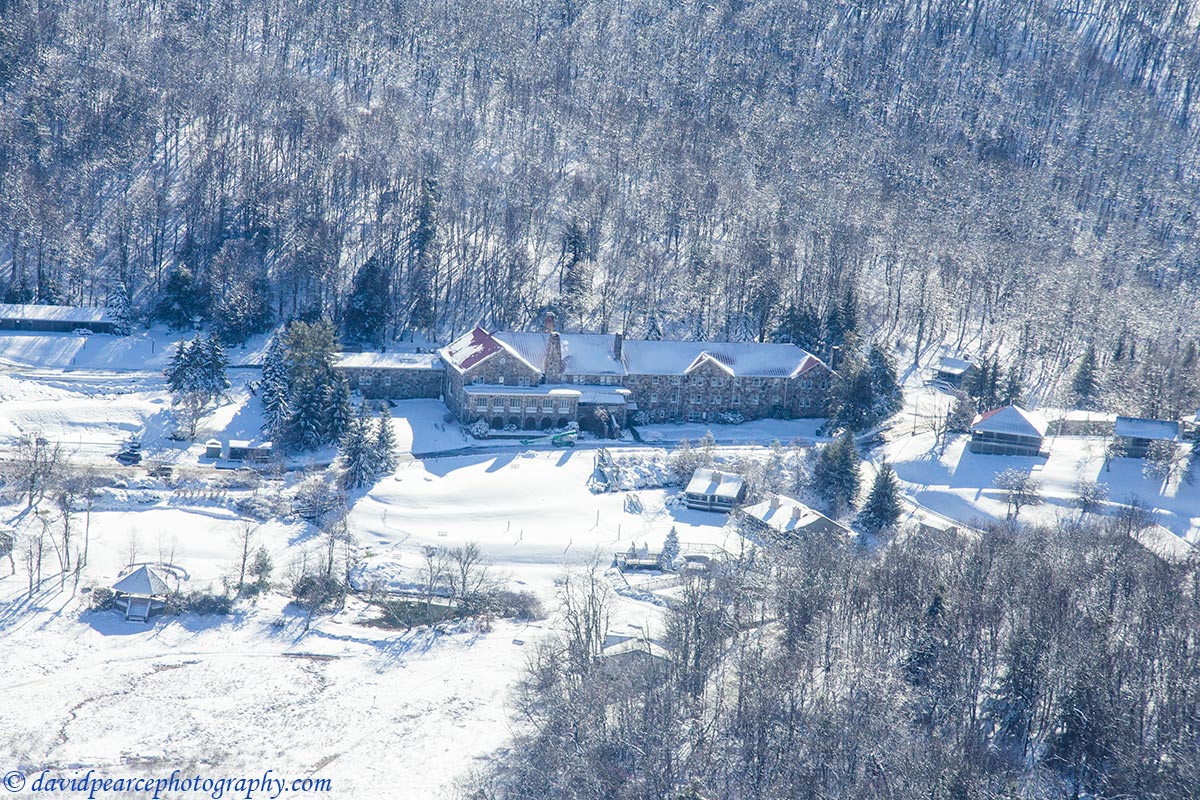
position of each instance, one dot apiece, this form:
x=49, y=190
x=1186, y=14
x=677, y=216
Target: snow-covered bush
x=639, y=418
x=479, y=429
x=731, y=417
x=511, y=427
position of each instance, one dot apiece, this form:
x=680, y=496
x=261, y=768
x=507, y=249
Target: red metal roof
x=470, y=349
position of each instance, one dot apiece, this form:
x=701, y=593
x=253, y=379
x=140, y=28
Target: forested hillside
x=997, y=174
x=1028, y=664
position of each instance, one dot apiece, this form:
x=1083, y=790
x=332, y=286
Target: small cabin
x=786, y=516
x=212, y=448
x=713, y=490
x=1009, y=431
x=1134, y=435
x=239, y=449
x=40, y=318
x=954, y=371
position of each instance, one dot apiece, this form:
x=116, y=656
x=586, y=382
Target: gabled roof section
x=954, y=366
x=582, y=353
x=788, y=515
x=477, y=346
x=742, y=359
x=473, y=347
x=142, y=581
x=707, y=358
x=716, y=483
x=1140, y=428
x=1011, y=420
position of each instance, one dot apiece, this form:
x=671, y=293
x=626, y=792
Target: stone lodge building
x=544, y=380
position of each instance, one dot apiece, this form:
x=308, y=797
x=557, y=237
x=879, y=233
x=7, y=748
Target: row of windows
x=480, y=380
x=519, y=403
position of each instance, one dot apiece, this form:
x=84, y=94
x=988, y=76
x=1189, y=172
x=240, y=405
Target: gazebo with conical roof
x=141, y=594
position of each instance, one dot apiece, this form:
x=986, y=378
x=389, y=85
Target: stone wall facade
x=390, y=383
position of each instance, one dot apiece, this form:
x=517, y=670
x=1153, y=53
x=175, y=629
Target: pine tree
x=385, y=444
x=961, y=415
x=887, y=396
x=670, y=548
x=336, y=410
x=653, y=328
x=214, y=363
x=574, y=279
x=356, y=453
x=273, y=390
x=119, y=308
x=882, y=508
x=1085, y=385
x=1013, y=391
x=369, y=304
x=176, y=371
x=800, y=325
x=305, y=427
x=180, y=300
x=836, y=473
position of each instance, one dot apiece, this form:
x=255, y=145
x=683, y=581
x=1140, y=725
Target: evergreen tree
x=369, y=305
x=670, y=548
x=422, y=245
x=800, y=325
x=356, y=453
x=961, y=415
x=305, y=427
x=273, y=389
x=1085, y=383
x=1013, y=391
x=336, y=413
x=882, y=508
x=992, y=391
x=836, y=474
x=574, y=278
x=653, y=328
x=180, y=300
x=887, y=396
x=215, y=362
x=385, y=444
x=119, y=308
x=178, y=367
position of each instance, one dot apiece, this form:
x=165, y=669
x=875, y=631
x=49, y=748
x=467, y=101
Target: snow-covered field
x=366, y=707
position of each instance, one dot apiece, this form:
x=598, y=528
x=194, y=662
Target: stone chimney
x=796, y=513
x=774, y=501
x=552, y=369
x=549, y=322
x=618, y=343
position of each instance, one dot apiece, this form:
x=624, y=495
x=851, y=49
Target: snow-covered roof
x=79, y=314
x=743, y=359
x=1139, y=428
x=144, y=580
x=545, y=389
x=603, y=395
x=1011, y=420
x=636, y=645
x=582, y=353
x=477, y=346
x=954, y=366
x=716, y=483
x=388, y=361
x=788, y=515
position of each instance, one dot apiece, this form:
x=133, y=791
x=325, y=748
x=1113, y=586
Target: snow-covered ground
x=366, y=707
x=959, y=484
x=382, y=713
